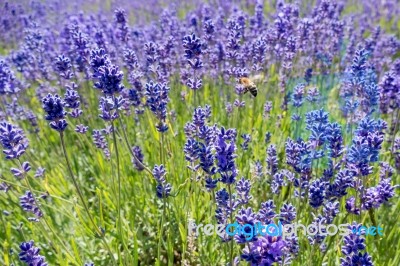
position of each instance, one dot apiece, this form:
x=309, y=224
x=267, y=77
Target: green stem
x=133, y=154
x=119, y=185
x=231, y=220
x=98, y=231
x=331, y=240
x=45, y=220
x=160, y=234
x=395, y=130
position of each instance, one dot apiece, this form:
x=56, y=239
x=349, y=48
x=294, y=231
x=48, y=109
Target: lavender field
x=126, y=127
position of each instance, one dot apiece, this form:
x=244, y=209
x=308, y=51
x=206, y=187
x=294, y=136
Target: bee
x=248, y=85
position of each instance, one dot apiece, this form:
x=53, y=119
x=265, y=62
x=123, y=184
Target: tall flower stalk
x=53, y=106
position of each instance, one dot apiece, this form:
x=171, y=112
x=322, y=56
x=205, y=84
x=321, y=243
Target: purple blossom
x=163, y=188
x=225, y=154
x=28, y=204
x=137, y=160
x=53, y=106
x=13, y=140
x=243, y=191
x=30, y=254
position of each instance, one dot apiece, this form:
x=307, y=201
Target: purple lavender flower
x=63, y=66
x=351, y=206
x=109, y=80
x=267, y=108
x=191, y=151
x=101, y=143
x=264, y=251
x=247, y=140
x=4, y=187
x=82, y=129
x=192, y=46
x=225, y=148
x=389, y=89
x=288, y=213
x=206, y=157
x=225, y=206
x=211, y=183
x=131, y=59
x=298, y=93
x=71, y=99
x=277, y=182
x=267, y=212
x=317, y=193
x=40, y=172
x=53, y=106
x=163, y=188
x=335, y=140
x=243, y=191
x=317, y=122
x=330, y=211
x=320, y=234
x=98, y=59
x=272, y=160
x=30, y=254
x=308, y=75
x=352, y=249
x=28, y=204
x=157, y=100
x=7, y=79
x=121, y=19
x=13, y=140
x=137, y=161
x=20, y=172
x=268, y=137
x=193, y=51
x=312, y=95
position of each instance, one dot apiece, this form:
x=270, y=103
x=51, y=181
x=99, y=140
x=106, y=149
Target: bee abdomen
x=253, y=90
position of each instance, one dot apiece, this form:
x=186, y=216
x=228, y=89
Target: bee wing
x=259, y=78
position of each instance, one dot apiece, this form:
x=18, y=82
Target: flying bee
x=248, y=85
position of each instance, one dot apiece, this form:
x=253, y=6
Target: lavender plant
x=120, y=121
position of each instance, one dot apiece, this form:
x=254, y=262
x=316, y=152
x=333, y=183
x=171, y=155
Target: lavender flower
x=335, y=140
x=137, y=161
x=157, y=100
x=264, y=251
x=13, y=140
x=206, y=157
x=163, y=188
x=317, y=193
x=352, y=249
x=267, y=212
x=101, y=143
x=243, y=190
x=192, y=53
x=109, y=80
x=28, y=204
x=225, y=148
x=30, y=254
x=98, y=59
x=53, y=106
x=351, y=206
x=82, y=129
x=288, y=213
x=63, y=66
x=7, y=79
x=39, y=172
x=272, y=160
x=247, y=140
